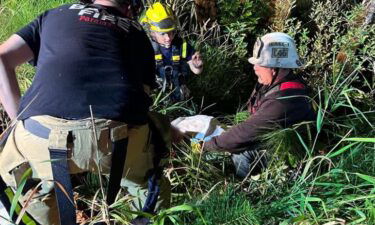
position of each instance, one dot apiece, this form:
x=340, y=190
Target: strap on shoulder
x=157, y=52
x=272, y=90
x=184, y=49
x=156, y=47
x=291, y=85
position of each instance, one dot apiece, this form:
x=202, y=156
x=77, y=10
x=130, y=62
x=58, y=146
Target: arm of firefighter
x=196, y=63
x=270, y=115
x=13, y=52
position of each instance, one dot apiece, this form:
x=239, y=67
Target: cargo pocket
x=118, y=139
x=24, y=172
x=86, y=153
x=139, y=157
x=4, y=136
x=12, y=162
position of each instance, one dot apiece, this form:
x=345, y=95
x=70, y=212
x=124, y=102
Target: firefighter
x=174, y=57
x=274, y=58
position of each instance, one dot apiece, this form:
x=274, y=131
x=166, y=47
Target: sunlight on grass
x=320, y=172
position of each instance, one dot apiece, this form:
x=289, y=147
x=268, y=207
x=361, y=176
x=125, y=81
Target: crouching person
x=280, y=99
x=174, y=57
x=86, y=110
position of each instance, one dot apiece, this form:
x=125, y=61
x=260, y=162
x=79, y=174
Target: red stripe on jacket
x=291, y=85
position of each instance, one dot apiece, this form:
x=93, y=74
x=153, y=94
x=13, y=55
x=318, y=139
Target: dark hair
x=134, y=3
x=87, y=1
x=120, y=2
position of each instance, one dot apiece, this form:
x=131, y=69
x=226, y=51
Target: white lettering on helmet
x=280, y=52
x=280, y=44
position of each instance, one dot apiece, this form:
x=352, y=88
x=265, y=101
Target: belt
x=60, y=171
x=36, y=128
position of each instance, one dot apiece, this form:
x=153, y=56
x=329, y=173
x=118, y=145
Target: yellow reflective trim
x=184, y=49
x=25, y=218
x=158, y=57
x=176, y=58
x=157, y=29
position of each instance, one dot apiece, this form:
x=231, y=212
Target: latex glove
x=198, y=141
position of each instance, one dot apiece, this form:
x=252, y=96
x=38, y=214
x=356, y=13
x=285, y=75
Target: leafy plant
x=225, y=206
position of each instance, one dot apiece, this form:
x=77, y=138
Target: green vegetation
x=16, y=14
x=319, y=173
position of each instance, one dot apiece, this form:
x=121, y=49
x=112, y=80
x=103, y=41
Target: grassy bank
x=319, y=173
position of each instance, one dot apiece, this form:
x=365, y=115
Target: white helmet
x=276, y=50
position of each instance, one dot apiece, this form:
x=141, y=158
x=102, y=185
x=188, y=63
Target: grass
x=232, y=204
x=331, y=182
x=320, y=173
x=16, y=14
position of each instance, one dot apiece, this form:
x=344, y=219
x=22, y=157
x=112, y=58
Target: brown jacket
x=281, y=104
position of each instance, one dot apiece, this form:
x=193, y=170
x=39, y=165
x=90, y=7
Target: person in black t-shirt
x=88, y=102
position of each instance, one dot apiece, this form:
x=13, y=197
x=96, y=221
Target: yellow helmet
x=160, y=18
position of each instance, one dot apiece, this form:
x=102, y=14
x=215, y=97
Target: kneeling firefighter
x=86, y=110
x=174, y=57
x=279, y=99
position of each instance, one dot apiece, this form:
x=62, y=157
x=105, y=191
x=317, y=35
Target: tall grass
x=319, y=173
x=16, y=14
x=332, y=183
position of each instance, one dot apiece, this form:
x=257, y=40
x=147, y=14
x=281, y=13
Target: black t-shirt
x=88, y=55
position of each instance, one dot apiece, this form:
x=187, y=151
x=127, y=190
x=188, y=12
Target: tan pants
x=25, y=150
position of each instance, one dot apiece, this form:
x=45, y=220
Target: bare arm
x=13, y=52
x=196, y=63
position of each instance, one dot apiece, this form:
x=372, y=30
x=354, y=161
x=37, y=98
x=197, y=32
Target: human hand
x=185, y=91
x=197, y=60
x=177, y=135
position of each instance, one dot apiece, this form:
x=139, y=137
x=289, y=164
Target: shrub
x=227, y=76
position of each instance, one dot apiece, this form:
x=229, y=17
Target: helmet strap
x=277, y=71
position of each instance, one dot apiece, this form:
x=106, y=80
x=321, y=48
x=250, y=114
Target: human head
x=161, y=23
x=129, y=8
x=272, y=53
x=266, y=75
x=163, y=38
x=133, y=3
